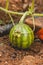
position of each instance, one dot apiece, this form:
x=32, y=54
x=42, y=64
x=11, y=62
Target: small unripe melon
x=21, y=36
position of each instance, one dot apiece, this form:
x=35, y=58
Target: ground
x=13, y=56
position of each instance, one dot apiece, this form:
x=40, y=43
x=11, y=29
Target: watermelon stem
x=23, y=17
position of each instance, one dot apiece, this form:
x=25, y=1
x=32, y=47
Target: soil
x=13, y=56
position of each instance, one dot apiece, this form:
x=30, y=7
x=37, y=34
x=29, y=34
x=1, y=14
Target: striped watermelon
x=21, y=36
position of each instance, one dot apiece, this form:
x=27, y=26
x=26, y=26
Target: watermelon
x=21, y=35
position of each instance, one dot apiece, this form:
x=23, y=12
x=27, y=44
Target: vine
x=30, y=12
x=7, y=5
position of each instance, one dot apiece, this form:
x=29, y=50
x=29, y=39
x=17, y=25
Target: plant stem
x=11, y=19
x=33, y=23
x=7, y=4
x=23, y=17
x=19, y=13
x=32, y=7
x=11, y=12
x=38, y=14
